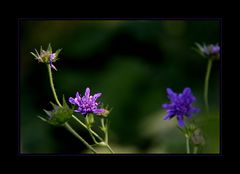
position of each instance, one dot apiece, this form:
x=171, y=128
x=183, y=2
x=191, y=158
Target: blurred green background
x=131, y=62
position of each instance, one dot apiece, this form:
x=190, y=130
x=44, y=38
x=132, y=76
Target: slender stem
x=89, y=130
x=187, y=144
x=52, y=85
x=106, y=137
x=79, y=137
x=80, y=122
x=110, y=148
x=105, y=131
x=206, y=82
x=195, y=149
x=94, y=133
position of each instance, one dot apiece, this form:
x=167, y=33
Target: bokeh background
x=131, y=62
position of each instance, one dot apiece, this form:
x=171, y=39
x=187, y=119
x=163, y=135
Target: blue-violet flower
x=87, y=103
x=180, y=106
x=209, y=50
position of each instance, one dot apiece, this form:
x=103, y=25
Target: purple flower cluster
x=209, y=50
x=180, y=106
x=87, y=103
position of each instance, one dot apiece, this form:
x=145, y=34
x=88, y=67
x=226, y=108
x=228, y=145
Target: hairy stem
x=187, y=144
x=207, y=82
x=93, y=133
x=52, y=85
x=79, y=137
x=110, y=148
x=80, y=122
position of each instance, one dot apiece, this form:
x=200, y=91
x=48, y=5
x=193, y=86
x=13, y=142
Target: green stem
x=90, y=132
x=195, y=150
x=187, y=144
x=106, y=137
x=105, y=131
x=80, y=122
x=206, y=82
x=94, y=133
x=109, y=148
x=79, y=137
x=52, y=85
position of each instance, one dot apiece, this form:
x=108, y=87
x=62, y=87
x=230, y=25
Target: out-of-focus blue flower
x=211, y=51
x=87, y=103
x=180, y=106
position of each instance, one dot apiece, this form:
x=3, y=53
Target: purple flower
x=214, y=49
x=208, y=50
x=87, y=103
x=47, y=56
x=180, y=106
x=52, y=56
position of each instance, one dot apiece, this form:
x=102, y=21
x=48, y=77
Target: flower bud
x=47, y=56
x=90, y=119
x=210, y=51
x=197, y=138
x=104, y=113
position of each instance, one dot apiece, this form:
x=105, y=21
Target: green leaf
x=37, y=53
x=43, y=119
x=54, y=105
x=64, y=102
x=49, y=48
x=57, y=52
x=34, y=54
x=49, y=113
x=58, y=115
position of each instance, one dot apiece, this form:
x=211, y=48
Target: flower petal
x=77, y=111
x=87, y=92
x=194, y=110
x=98, y=111
x=167, y=106
x=193, y=99
x=180, y=120
x=186, y=91
x=97, y=95
x=77, y=95
x=168, y=116
x=53, y=67
x=172, y=95
x=72, y=100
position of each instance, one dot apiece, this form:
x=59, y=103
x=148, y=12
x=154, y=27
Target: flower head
x=180, y=106
x=210, y=51
x=47, y=56
x=87, y=103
